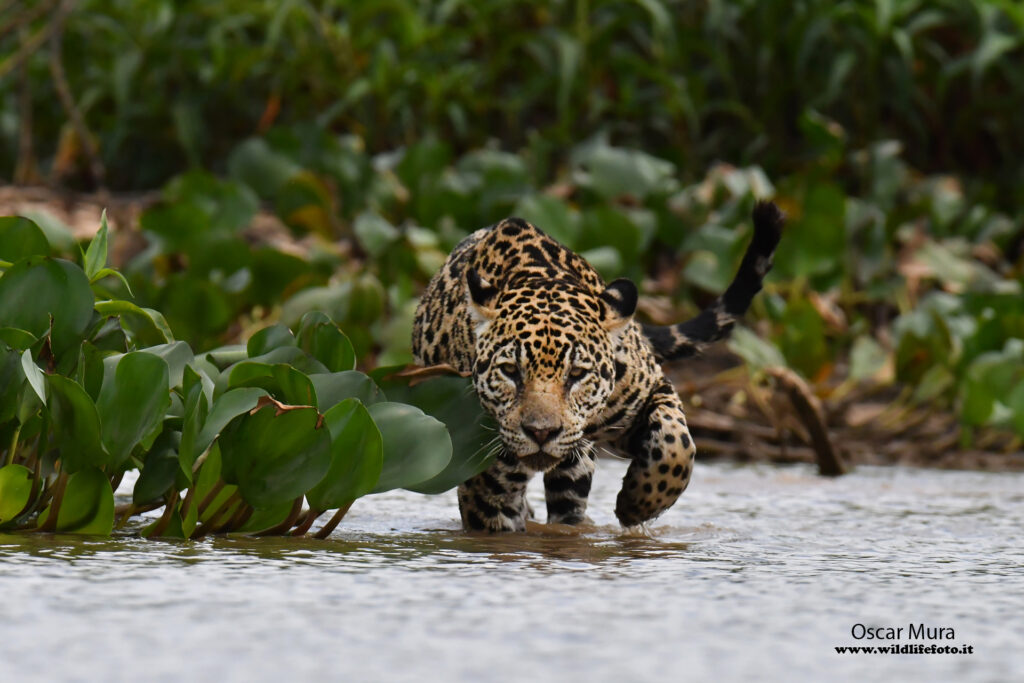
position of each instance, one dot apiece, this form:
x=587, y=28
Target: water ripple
x=755, y=566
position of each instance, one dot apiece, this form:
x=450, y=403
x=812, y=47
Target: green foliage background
x=639, y=133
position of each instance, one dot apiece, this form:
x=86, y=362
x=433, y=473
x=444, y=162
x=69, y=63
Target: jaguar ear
x=480, y=300
x=620, y=299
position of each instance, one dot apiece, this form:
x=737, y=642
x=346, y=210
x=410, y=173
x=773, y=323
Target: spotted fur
x=558, y=360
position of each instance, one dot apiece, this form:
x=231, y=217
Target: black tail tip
x=768, y=222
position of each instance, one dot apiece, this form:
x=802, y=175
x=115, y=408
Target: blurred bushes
x=905, y=282
x=638, y=133
x=167, y=84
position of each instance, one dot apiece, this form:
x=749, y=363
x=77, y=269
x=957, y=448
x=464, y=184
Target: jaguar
x=559, y=361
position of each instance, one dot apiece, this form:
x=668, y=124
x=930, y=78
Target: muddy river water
x=759, y=573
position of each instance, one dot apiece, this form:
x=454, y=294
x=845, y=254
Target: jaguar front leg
x=566, y=487
x=662, y=450
x=495, y=499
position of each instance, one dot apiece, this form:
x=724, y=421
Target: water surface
x=757, y=574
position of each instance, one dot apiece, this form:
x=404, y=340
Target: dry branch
x=416, y=374
x=808, y=409
x=67, y=100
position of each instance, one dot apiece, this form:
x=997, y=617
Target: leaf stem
x=14, y=445
x=59, y=487
x=334, y=521
x=183, y=509
x=245, y=511
x=215, y=518
x=311, y=516
x=126, y=514
x=165, y=519
x=205, y=503
x=138, y=509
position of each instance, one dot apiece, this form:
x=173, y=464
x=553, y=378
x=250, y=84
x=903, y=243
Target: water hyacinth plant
x=228, y=440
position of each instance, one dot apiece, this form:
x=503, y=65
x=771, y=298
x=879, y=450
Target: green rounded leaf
x=16, y=489
x=275, y=457
x=209, y=477
x=196, y=409
x=76, y=424
x=283, y=381
x=177, y=355
x=321, y=338
x=144, y=325
x=87, y=506
x=374, y=232
x=196, y=308
x=241, y=373
x=178, y=224
x=225, y=408
x=266, y=518
x=452, y=401
x=296, y=388
x=16, y=339
x=21, y=238
x=554, y=216
x=357, y=457
x=132, y=402
x=159, y=469
x=335, y=387
x=261, y=168
x=416, y=446
x=268, y=339
x=36, y=289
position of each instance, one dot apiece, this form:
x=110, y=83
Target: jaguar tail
x=682, y=340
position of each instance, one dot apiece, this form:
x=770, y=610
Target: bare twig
x=26, y=17
x=25, y=169
x=416, y=374
x=27, y=49
x=718, y=422
x=67, y=100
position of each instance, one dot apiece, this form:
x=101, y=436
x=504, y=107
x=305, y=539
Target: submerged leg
x=662, y=451
x=495, y=499
x=566, y=487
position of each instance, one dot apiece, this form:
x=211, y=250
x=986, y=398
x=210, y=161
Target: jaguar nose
x=541, y=434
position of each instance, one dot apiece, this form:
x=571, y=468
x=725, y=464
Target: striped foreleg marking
x=566, y=487
x=495, y=499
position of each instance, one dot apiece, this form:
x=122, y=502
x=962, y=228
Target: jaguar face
x=544, y=366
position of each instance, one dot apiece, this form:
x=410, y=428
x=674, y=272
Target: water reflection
x=755, y=564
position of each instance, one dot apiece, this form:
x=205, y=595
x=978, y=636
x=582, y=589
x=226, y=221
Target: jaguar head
x=545, y=366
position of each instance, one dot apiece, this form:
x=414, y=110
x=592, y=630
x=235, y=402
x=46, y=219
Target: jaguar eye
x=510, y=370
x=575, y=374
